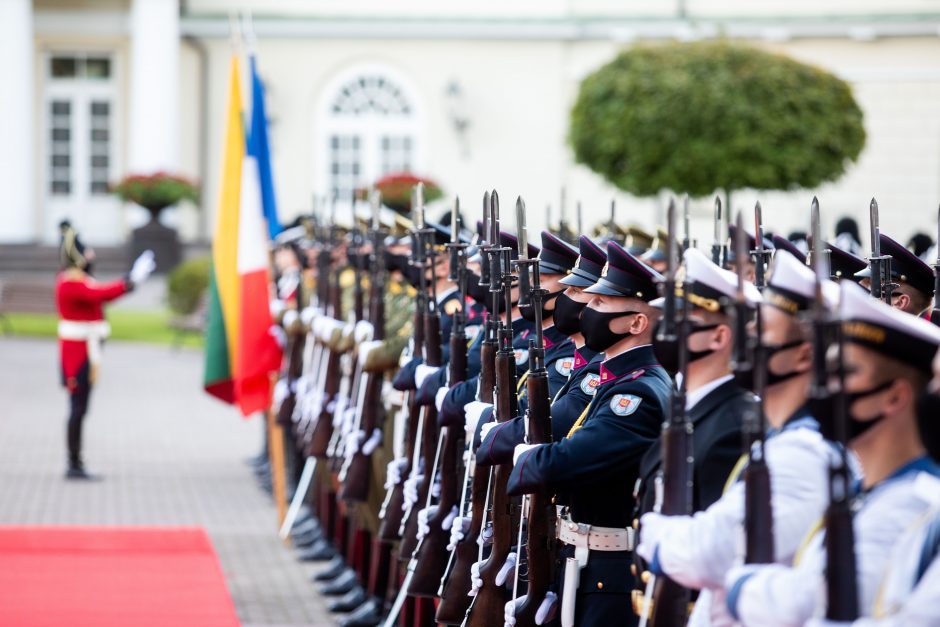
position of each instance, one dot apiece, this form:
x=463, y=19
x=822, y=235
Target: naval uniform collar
x=582, y=357
x=633, y=361
x=446, y=295
x=693, y=398
x=800, y=419
x=553, y=337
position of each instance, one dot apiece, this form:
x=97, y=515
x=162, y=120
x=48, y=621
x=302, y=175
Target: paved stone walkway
x=169, y=455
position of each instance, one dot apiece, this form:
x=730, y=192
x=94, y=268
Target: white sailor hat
x=706, y=286
x=875, y=325
x=792, y=285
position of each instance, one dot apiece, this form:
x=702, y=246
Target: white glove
x=363, y=331
x=290, y=317
x=458, y=531
x=278, y=334
x=486, y=428
x=650, y=525
x=393, y=472
x=424, y=518
x=143, y=267
x=422, y=372
x=547, y=609
x=353, y=440
x=277, y=306
x=349, y=419
x=822, y=622
x=476, y=581
x=472, y=411
x=436, y=488
x=339, y=411
x=316, y=327
x=348, y=330
x=507, y=568
x=486, y=536
x=439, y=397
x=308, y=315
x=520, y=449
x=281, y=390
x=449, y=519
x=367, y=347
x=369, y=446
x=411, y=489
x=509, y=611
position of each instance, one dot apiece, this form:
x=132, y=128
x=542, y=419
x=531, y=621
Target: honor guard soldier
x=716, y=403
x=638, y=241
x=83, y=329
x=887, y=357
x=596, y=465
x=698, y=551
x=914, y=278
x=844, y=265
x=568, y=401
x=782, y=243
x=656, y=256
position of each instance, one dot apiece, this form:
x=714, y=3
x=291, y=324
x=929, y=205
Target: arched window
x=369, y=126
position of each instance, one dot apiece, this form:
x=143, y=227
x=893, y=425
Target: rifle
x=456, y=580
x=750, y=355
x=431, y=555
x=935, y=313
x=761, y=255
x=719, y=248
x=880, y=282
x=538, y=510
x=564, y=231
x=355, y=473
x=686, y=242
x=323, y=428
x=841, y=578
x=670, y=601
x=488, y=607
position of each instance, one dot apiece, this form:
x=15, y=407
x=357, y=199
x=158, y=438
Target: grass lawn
x=126, y=325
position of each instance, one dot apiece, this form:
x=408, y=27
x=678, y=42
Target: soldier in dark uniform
x=597, y=463
x=581, y=383
x=715, y=402
x=914, y=278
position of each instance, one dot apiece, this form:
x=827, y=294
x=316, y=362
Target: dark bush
x=186, y=285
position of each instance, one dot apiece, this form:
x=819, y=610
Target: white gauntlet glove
x=369, y=446
x=520, y=449
x=439, y=397
x=424, y=518
x=365, y=348
x=278, y=334
x=277, y=306
x=290, y=317
x=486, y=428
x=507, y=568
x=458, y=531
x=472, y=412
x=308, y=315
x=411, y=489
x=476, y=581
x=422, y=372
x=281, y=390
x=143, y=267
x=363, y=331
x=393, y=472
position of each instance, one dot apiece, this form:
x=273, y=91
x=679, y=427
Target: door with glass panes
x=79, y=147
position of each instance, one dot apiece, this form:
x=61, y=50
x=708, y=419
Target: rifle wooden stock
x=454, y=600
x=489, y=606
x=429, y=435
x=540, y=539
x=355, y=486
x=670, y=600
x=323, y=429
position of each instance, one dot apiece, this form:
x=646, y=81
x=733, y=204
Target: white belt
x=91, y=332
x=595, y=538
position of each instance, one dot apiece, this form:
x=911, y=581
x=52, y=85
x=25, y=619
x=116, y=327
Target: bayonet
x=454, y=215
x=375, y=199
x=580, y=226
x=523, y=235
x=717, y=246
x=419, y=205
x=760, y=254
x=818, y=257
x=935, y=313
x=685, y=223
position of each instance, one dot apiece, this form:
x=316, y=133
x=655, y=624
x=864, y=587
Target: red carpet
x=109, y=576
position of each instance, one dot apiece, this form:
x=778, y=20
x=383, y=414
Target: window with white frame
x=370, y=130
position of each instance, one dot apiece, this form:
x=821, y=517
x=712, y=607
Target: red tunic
x=79, y=299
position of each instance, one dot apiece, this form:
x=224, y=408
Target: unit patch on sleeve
x=589, y=383
x=522, y=356
x=624, y=404
x=563, y=366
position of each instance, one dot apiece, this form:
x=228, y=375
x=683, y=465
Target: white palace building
x=472, y=94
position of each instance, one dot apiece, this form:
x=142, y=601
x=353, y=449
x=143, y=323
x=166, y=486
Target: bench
x=24, y=297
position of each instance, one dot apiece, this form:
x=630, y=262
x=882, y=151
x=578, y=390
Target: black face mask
x=667, y=351
x=595, y=327
x=528, y=313
x=482, y=295
x=825, y=412
x=928, y=422
x=746, y=379
x=568, y=314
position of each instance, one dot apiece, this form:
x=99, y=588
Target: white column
x=18, y=209
x=154, y=86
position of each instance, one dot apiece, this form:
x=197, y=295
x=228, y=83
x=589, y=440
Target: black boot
x=349, y=601
x=369, y=614
x=319, y=551
x=76, y=470
x=341, y=585
x=333, y=569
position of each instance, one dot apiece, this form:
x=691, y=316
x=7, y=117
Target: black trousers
x=78, y=407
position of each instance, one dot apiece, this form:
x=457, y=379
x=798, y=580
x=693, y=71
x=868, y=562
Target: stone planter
x=162, y=240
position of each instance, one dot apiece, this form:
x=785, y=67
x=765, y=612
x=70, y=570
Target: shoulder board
x=452, y=306
x=347, y=278
x=633, y=376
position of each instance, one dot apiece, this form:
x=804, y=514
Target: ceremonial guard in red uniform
x=82, y=329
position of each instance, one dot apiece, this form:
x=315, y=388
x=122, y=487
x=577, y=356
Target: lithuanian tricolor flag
x=241, y=354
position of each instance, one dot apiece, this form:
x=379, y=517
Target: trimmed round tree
x=698, y=117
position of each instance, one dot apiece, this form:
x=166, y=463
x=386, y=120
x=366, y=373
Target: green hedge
x=697, y=117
